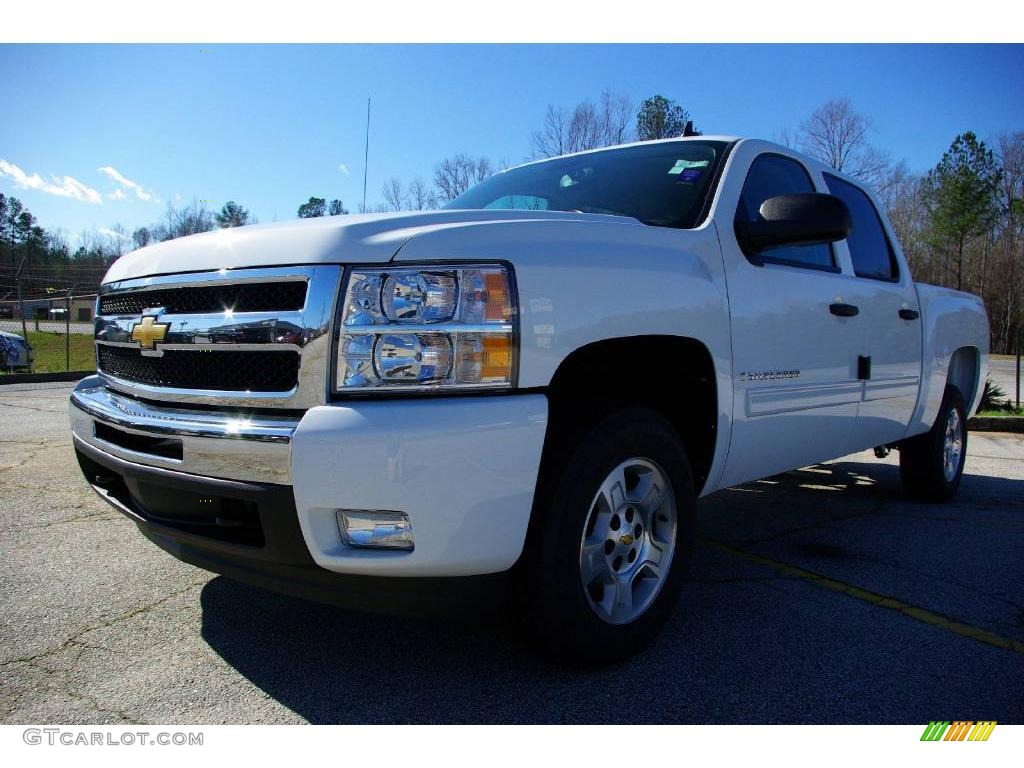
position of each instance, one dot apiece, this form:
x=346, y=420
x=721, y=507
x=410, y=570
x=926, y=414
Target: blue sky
x=269, y=126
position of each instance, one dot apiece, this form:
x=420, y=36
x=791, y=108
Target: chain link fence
x=52, y=335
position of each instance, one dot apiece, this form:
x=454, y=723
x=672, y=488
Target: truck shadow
x=711, y=664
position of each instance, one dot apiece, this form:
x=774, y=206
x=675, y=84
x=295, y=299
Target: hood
x=356, y=239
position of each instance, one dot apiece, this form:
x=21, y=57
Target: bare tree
x=119, y=237
x=190, y=220
x=586, y=126
x=837, y=134
x=785, y=138
x=454, y=175
x=1007, y=309
x=483, y=170
x=420, y=197
x=393, y=194
x=551, y=140
x=616, y=117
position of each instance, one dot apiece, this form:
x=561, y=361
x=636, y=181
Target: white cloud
x=116, y=176
x=343, y=168
x=112, y=234
x=117, y=194
x=62, y=186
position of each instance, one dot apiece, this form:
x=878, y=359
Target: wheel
x=615, y=541
x=932, y=464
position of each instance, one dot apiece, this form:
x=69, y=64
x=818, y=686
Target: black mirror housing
x=807, y=218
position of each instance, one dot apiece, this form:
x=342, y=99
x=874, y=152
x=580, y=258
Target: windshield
x=662, y=184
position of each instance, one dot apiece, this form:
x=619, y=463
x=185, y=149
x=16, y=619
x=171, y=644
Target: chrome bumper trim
x=214, y=443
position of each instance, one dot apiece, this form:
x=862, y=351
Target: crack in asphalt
x=111, y=515
x=32, y=407
x=32, y=455
x=77, y=644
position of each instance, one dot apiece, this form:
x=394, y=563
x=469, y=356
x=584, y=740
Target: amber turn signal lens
x=497, y=358
x=498, y=308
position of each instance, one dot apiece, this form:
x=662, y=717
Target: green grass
x=50, y=354
x=1001, y=414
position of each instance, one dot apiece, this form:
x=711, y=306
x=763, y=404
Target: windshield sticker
x=684, y=165
x=691, y=174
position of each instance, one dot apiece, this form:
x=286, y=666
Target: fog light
x=371, y=528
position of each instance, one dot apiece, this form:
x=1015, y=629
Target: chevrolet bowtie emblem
x=625, y=539
x=148, y=332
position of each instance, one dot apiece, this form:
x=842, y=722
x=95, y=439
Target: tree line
x=961, y=223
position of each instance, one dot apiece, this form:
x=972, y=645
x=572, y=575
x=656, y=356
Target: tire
x=588, y=532
x=932, y=464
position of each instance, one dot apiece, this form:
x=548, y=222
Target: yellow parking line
x=882, y=601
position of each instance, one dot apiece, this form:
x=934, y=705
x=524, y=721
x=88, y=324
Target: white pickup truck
x=533, y=385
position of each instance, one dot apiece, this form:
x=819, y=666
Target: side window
x=870, y=249
x=772, y=175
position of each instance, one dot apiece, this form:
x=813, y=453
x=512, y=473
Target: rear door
x=794, y=359
x=890, y=322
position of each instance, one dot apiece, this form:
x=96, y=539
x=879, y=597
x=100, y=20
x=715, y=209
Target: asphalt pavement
x=823, y=595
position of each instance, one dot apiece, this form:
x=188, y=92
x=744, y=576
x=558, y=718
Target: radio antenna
x=366, y=155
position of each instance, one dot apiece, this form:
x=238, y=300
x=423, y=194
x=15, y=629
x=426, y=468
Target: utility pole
x=21, y=301
x=67, y=331
x=1017, y=334
x=366, y=155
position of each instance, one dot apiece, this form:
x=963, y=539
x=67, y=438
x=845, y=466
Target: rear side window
x=769, y=176
x=870, y=249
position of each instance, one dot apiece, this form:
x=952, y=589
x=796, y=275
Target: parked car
x=531, y=387
x=15, y=353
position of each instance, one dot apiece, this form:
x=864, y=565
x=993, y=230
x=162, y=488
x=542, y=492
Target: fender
x=952, y=320
x=582, y=282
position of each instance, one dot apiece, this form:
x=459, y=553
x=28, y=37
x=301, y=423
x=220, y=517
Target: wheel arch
x=602, y=376
x=964, y=374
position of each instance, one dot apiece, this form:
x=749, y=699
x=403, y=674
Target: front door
x=795, y=347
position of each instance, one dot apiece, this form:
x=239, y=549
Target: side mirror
x=807, y=218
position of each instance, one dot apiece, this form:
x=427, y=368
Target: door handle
x=843, y=310
x=909, y=314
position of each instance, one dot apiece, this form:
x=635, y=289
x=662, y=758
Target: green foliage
x=660, y=118
x=336, y=208
x=316, y=206
x=994, y=398
x=232, y=215
x=961, y=195
x=142, y=237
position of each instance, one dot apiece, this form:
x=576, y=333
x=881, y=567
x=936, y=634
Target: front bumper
x=282, y=563
x=257, y=497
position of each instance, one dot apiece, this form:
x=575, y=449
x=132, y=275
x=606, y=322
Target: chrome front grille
x=204, y=369
x=241, y=297
x=237, y=338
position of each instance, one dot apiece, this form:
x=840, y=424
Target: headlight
x=427, y=328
